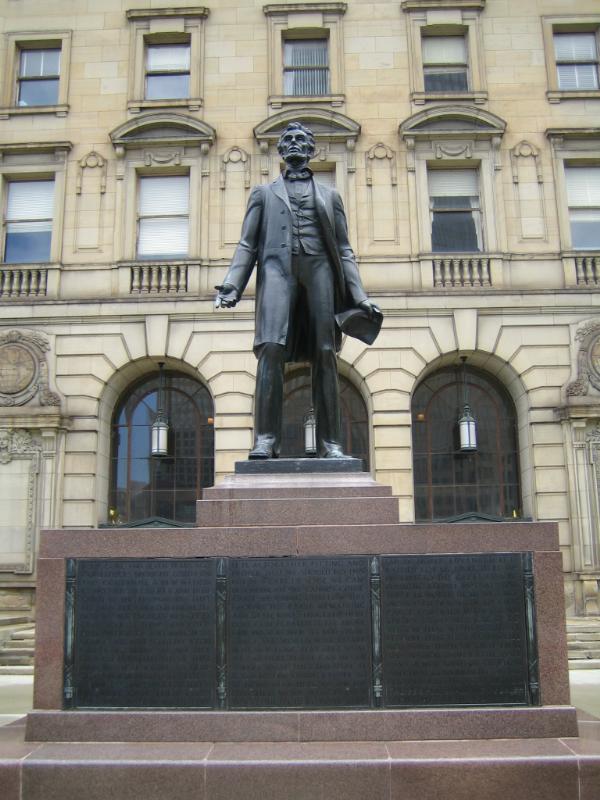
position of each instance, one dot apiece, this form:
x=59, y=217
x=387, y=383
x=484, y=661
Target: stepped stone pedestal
x=378, y=747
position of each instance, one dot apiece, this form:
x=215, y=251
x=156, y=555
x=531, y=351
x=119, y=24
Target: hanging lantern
x=160, y=426
x=310, y=434
x=467, y=426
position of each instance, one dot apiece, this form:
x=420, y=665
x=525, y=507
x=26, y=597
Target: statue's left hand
x=370, y=308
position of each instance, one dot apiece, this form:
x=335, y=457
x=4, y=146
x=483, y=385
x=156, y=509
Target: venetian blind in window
x=455, y=215
x=576, y=61
x=305, y=67
x=583, y=197
x=163, y=211
x=445, y=63
x=29, y=212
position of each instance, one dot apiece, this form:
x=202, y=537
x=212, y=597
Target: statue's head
x=296, y=144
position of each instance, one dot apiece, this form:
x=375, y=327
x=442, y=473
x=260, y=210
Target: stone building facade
x=464, y=138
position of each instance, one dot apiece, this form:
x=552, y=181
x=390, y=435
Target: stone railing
x=461, y=271
x=28, y=281
x=588, y=270
x=158, y=279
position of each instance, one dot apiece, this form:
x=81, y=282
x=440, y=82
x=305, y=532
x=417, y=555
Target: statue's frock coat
x=266, y=240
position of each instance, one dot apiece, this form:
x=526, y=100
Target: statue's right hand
x=227, y=296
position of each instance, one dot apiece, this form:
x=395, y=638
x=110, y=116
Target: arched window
x=146, y=487
x=297, y=401
x=449, y=482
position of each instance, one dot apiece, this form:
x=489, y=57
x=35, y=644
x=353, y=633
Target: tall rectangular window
x=445, y=66
x=38, y=77
x=455, y=210
x=167, y=71
x=305, y=67
x=28, y=222
x=583, y=197
x=163, y=217
x=576, y=61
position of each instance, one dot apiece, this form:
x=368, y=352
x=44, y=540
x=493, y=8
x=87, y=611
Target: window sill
x=15, y=111
x=420, y=98
x=557, y=96
x=334, y=100
x=191, y=103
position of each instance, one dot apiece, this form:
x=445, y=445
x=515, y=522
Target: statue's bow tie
x=302, y=175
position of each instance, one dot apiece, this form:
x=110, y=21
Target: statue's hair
x=295, y=126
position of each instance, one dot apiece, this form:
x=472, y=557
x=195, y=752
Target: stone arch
x=510, y=382
x=129, y=375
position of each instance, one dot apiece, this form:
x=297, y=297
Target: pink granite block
x=451, y=723
x=10, y=778
x=117, y=771
x=533, y=780
x=50, y=629
x=551, y=628
x=587, y=752
x=163, y=726
x=297, y=772
x=299, y=511
x=438, y=538
x=168, y=542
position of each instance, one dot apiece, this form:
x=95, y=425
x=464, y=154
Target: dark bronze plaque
x=454, y=630
x=144, y=633
x=299, y=633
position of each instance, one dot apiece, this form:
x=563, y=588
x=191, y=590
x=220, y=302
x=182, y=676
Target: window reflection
x=449, y=482
x=296, y=404
x=143, y=486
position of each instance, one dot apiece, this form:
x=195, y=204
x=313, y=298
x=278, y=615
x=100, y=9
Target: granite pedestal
x=521, y=751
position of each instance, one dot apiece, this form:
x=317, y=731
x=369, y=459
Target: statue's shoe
x=334, y=451
x=262, y=449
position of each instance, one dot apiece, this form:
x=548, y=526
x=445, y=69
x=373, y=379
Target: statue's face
x=295, y=147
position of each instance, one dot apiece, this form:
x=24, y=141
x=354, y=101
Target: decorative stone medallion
x=23, y=369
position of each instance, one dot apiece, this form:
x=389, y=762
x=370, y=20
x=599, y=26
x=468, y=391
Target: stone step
x=236, y=487
x=296, y=511
x=580, y=645
x=490, y=769
x=13, y=619
x=16, y=669
x=24, y=636
x=584, y=663
x=16, y=660
x=592, y=636
x=16, y=648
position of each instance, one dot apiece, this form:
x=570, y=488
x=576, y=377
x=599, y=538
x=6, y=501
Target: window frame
x=6, y=222
x=570, y=164
x=152, y=73
x=45, y=161
x=476, y=211
x=306, y=68
x=448, y=65
x=454, y=18
x=16, y=43
x=166, y=26
x=579, y=23
x=140, y=175
x=305, y=21
x=571, y=147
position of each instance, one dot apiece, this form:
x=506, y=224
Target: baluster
x=135, y=280
x=145, y=280
x=437, y=272
x=580, y=273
